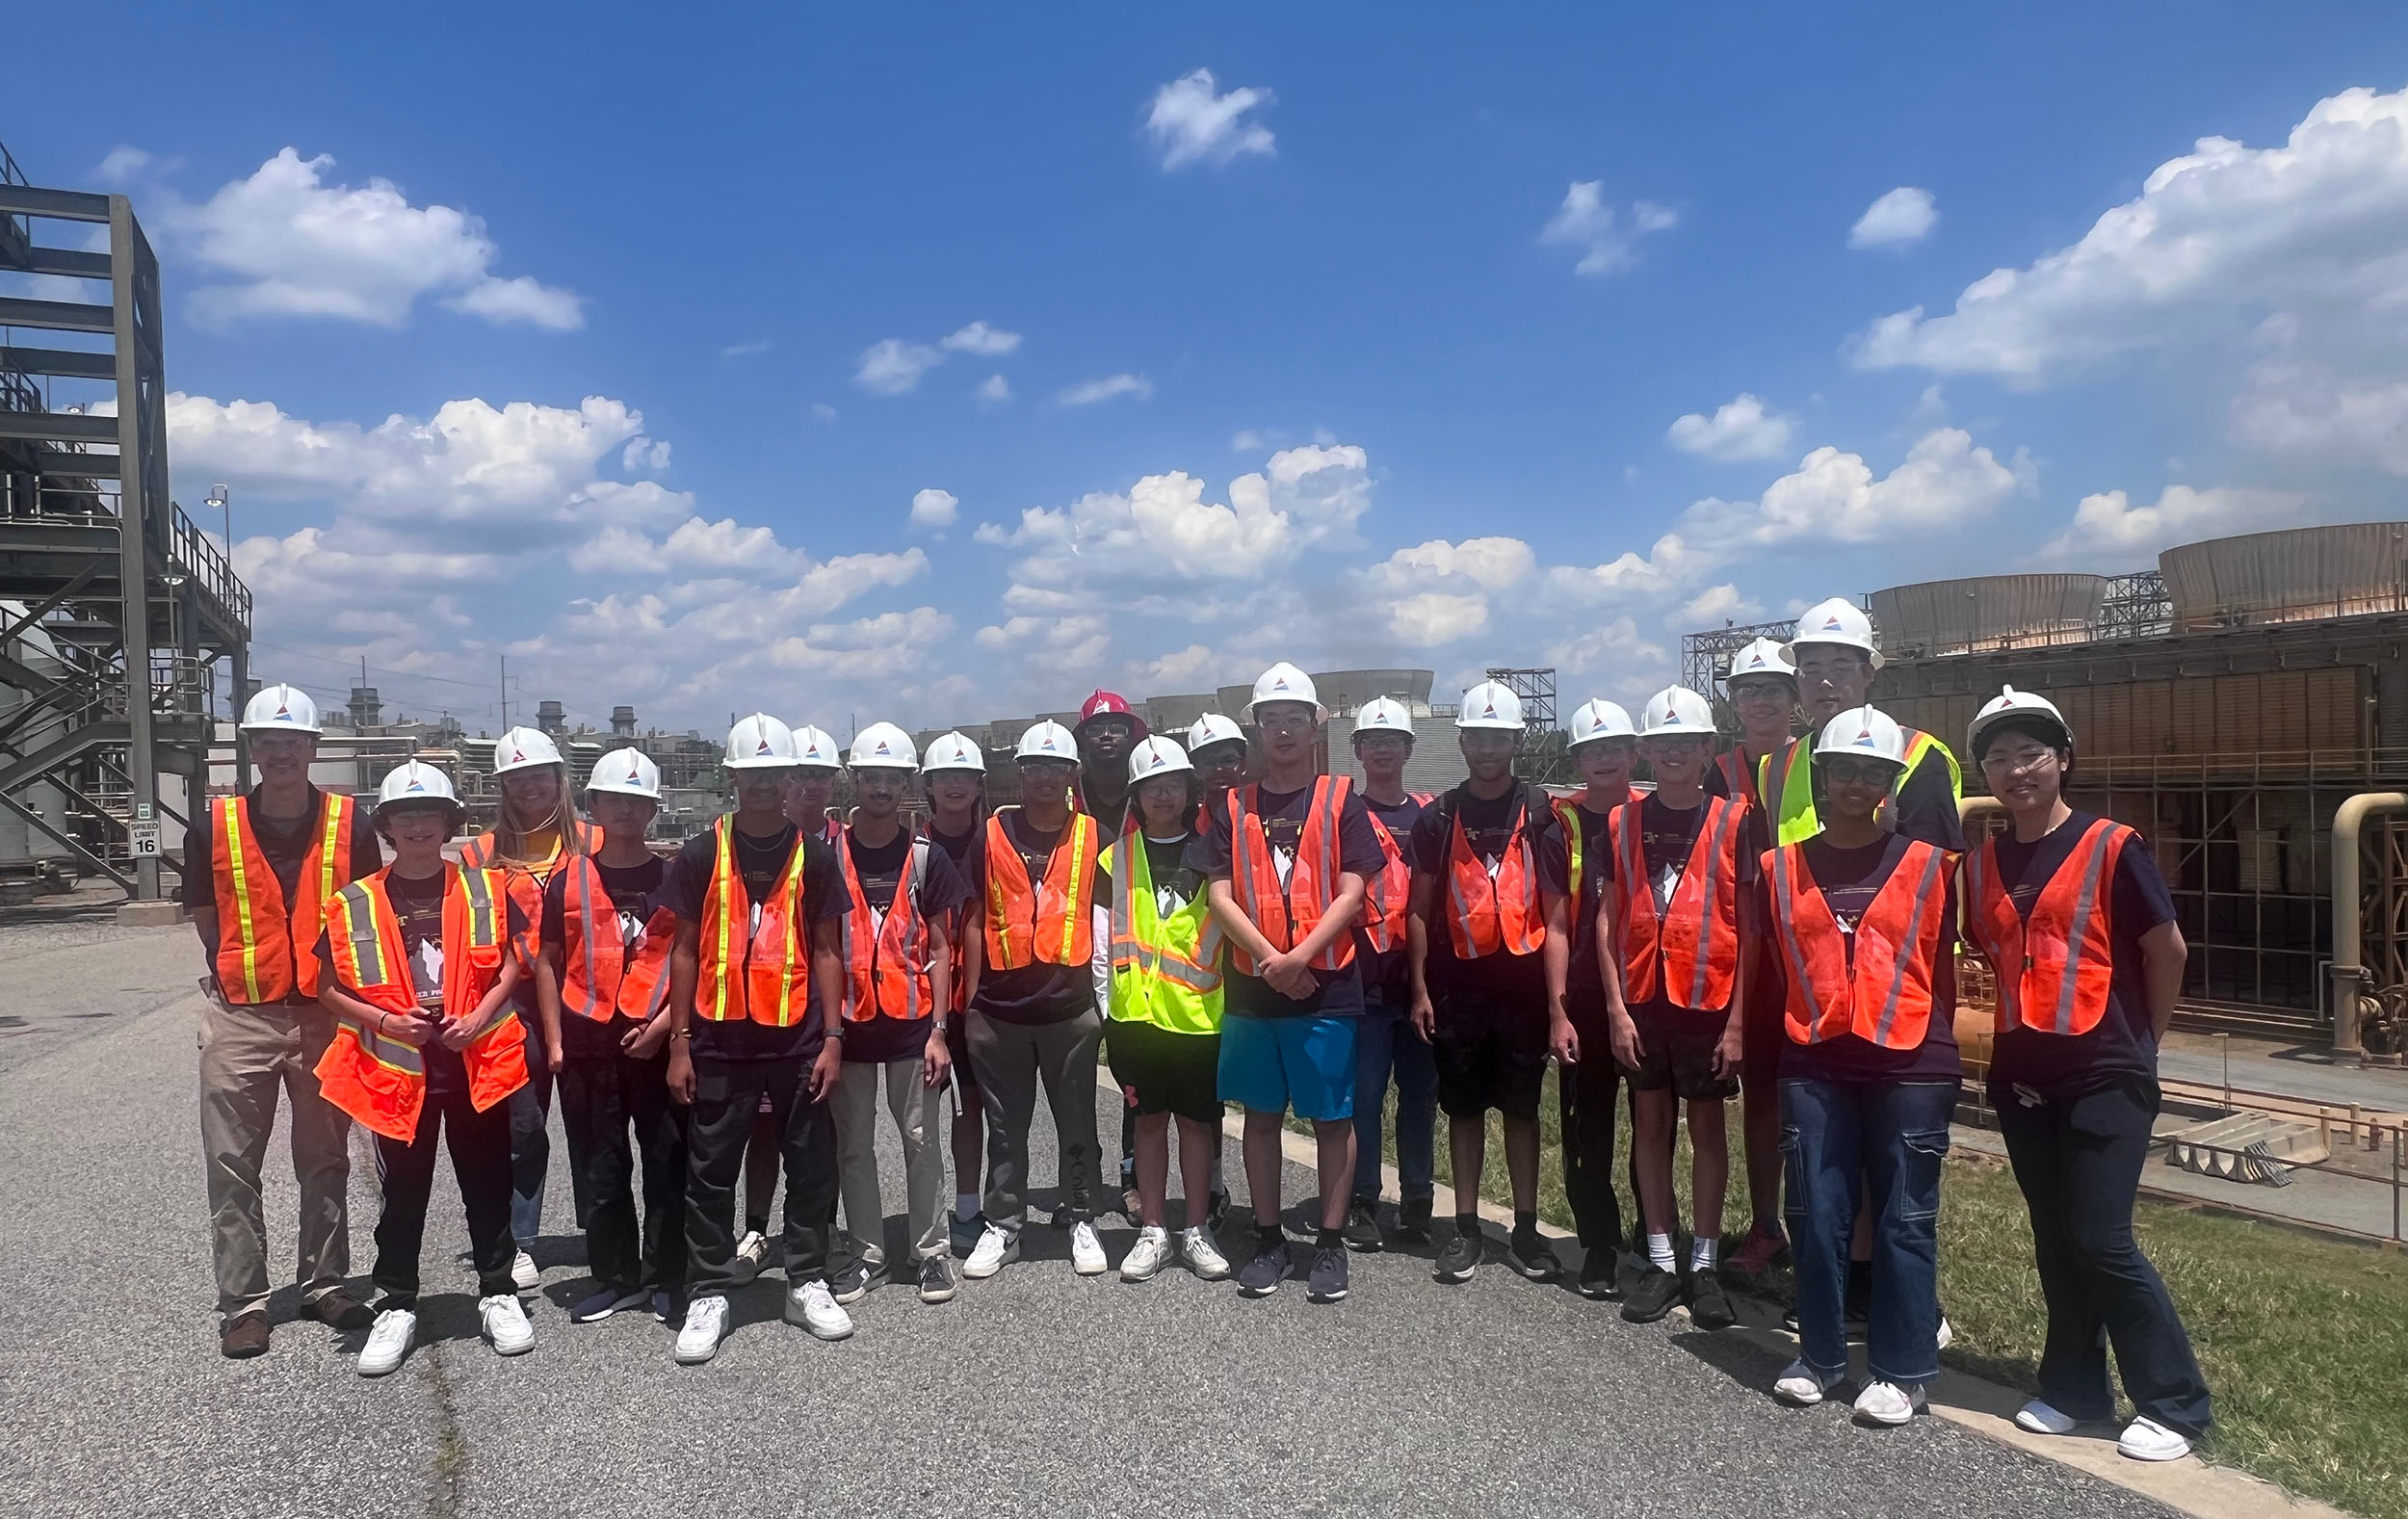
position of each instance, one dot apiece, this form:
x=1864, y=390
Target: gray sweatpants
x=1011, y=1059
x=248, y=1056
x=914, y=1104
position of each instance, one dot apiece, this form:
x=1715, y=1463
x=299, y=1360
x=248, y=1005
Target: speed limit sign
x=145, y=841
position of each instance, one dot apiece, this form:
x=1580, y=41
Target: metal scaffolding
x=115, y=609
x=1537, y=690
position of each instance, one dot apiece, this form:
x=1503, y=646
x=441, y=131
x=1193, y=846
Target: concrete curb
x=2193, y=1487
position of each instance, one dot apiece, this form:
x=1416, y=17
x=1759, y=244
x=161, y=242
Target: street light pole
x=223, y=499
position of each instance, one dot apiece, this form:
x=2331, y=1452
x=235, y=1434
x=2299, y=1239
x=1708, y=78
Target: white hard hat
x=816, y=746
x=1284, y=682
x=1599, y=718
x=1156, y=756
x=1864, y=730
x=524, y=748
x=952, y=751
x=883, y=743
x=1490, y=704
x=412, y=781
x=1047, y=741
x=1835, y=621
x=760, y=742
x=286, y=707
x=1383, y=715
x=1213, y=728
x=630, y=773
x=1676, y=711
x=1760, y=657
x=2013, y=703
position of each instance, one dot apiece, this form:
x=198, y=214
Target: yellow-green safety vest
x=1788, y=792
x=1166, y=971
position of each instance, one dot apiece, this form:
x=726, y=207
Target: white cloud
x=1904, y=217
x=1669, y=565
x=1946, y=480
x=1049, y=644
x=297, y=246
x=758, y=345
x=982, y=340
x=1492, y=563
x=1437, y=617
x=1586, y=221
x=644, y=454
x=1090, y=391
x=125, y=163
x=891, y=366
x=1622, y=664
x=1161, y=528
x=2111, y=532
x=2308, y=412
x=1718, y=601
x=1192, y=122
x=934, y=508
x=993, y=391
x=1246, y=441
x=1741, y=429
x=823, y=411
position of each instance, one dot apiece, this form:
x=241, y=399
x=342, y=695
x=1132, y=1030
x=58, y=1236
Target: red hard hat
x=1107, y=703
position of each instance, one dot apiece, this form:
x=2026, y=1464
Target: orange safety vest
x=1050, y=921
x=762, y=973
x=598, y=980
x=1286, y=915
x=2054, y=968
x=1883, y=994
x=266, y=948
x=1738, y=775
x=1690, y=954
x=525, y=882
x=887, y=963
x=382, y=1081
x=960, y=944
x=1487, y=913
x=1386, y=894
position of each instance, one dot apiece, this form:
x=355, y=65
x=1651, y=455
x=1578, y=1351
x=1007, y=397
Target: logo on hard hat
x=415, y=784
x=283, y=709
x=518, y=756
x=763, y=747
x=1831, y=624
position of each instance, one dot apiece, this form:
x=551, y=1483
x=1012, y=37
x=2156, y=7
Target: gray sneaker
x=1264, y=1273
x=937, y=1279
x=1328, y=1283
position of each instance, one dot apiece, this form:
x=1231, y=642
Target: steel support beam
x=67, y=205
x=137, y=402
x=47, y=605
x=57, y=427
x=72, y=262
x=58, y=464
x=67, y=362
x=74, y=846
x=59, y=316
x=30, y=768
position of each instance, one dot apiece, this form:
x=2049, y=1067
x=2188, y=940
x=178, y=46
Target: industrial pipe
x=2348, y=972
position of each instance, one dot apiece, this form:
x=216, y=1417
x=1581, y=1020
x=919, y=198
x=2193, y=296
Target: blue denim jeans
x=1892, y=1136
x=1385, y=1043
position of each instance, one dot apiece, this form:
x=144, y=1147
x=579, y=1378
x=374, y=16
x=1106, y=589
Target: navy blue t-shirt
x=1849, y=879
x=761, y=863
x=1385, y=977
x=1487, y=828
x=1211, y=852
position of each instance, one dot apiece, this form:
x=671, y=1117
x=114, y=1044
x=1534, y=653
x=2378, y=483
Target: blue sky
x=1394, y=318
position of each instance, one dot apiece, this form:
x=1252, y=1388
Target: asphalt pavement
x=1036, y=1392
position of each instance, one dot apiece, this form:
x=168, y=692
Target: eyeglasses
x=1286, y=723
x=2022, y=762
x=1856, y=772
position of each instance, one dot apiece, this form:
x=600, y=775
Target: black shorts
x=1764, y=1022
x=1491, y=1051
x=1680, y=1058
x=1158, y=1071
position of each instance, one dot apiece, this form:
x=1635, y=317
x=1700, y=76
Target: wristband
x=681, y=1034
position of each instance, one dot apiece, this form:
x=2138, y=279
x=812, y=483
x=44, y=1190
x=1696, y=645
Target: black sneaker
x=1328, y=1282
x=1459, y=1257
x=937, y=1279
x=1529, y=1254
x=1263, y=1275
x=1709, y=1305
x=1601, y=1275
x=1362, y=1230
x=1217, y=1211
x=1413, y=1221
x=1655, y=1295
x=850, y=1282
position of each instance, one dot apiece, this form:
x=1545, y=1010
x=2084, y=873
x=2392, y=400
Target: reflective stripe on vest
x=2071, y=926
x=1690, y=954
x=1882, y=994
x=886, y=959
x=596, y=980
x=1488, y=914
x=732, y=981
x=1166, y=971
x=267, y=947
x=1787, y=786
x=1049, y=921
x=1384, y=895
x=1287, y=913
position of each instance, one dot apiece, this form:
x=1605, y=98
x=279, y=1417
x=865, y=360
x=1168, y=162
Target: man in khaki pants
x=257, y=871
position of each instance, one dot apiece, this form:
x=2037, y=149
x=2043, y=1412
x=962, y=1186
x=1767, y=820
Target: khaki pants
x=247, y=1055
x=915, y=1107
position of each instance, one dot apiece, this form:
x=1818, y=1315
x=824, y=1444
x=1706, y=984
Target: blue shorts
x=1271, y=1064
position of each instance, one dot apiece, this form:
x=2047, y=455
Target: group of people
x=1776, y=919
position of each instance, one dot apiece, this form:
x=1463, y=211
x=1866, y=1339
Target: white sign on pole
x=145, y=841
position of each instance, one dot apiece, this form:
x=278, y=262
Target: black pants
x=1586, y=1096
x=531, y=1141
x=602, y=1096
x=726, y=1099
x=480, y=1143
x=2077, y=1159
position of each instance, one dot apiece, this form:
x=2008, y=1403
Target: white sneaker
x=988, y=1256
x=2147, y=1440
x=2040, y=1418
x=1204, y=1257
x=1087, y=1252
x=706, y=1325
x=523, y=1272
x=1948, y=1335
x=752, y=1252
x=388, y=1342
x=1148, y=1256
x=505, y=1325
x=1887, y=1402
x=1801, y=1386
x=814, y=1307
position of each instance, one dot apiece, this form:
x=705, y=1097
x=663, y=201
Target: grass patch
x=2304, y=1340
